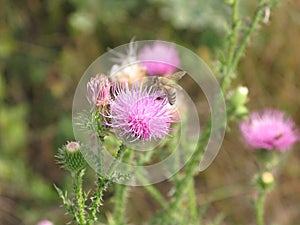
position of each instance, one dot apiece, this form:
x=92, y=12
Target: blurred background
x=45, y=47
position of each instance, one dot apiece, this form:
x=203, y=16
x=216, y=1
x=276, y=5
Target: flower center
x=140, y=126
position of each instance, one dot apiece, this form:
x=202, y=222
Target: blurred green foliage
x=195, y=14
x=45, y=46
x=16, y=180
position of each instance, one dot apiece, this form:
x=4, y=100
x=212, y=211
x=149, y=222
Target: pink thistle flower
x=98, y=90
x=159, y=59
x=269, y=129
x=138, y=113
x=45, y=222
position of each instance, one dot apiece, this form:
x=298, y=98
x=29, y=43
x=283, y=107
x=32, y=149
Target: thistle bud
x=70, y=157
x=98, y=90
x=265, y=180
x=239, y=96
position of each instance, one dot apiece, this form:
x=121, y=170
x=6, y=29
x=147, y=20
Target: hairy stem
x=190, y=170
x=155, y=194
x=233, y=38
x=258, y=17
x=120, y=203
x=233, y=42
x=145, y=158
x=259, y=208
x=181, y=186
x=118, y=156
x=121, y=196
x=102, y=184
x=80, y=217
x=236, y=48
x=192, y=202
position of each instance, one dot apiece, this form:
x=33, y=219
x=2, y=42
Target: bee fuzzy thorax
x=166, y=85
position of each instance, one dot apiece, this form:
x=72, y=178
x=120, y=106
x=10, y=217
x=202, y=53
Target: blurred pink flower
x=269, y=129
x=139, y=114
x=160, y=58
x=44, y=222
x=98, y=90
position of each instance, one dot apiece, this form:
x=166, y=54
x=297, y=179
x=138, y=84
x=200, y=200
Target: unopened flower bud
x=98, y=90
x=70, y=157
x=239, y=96
x=266, y=180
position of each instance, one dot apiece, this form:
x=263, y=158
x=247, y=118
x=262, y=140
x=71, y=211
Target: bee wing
x=176, y=76
x=171, y=94
x=150, y=81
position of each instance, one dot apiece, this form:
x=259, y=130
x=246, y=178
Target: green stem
x=102, y=184
x=156, y=195
x=150, y=188
x=121, y=196
x=80, y=217
x=259, y=208
x=118, y=156
x=233, y=39
x=236, y=49
x=181, y=187
x=192, y=202
x=120, y=203
x=258, y=16
x=191, y=168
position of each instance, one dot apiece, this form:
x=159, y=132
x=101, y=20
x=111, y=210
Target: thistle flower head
x=269, y=129
x=138, y=113
x=160, y=58
x=98, y=90
x=127, y=68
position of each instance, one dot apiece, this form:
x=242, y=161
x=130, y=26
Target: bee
x=165, y=85
x=277, y=137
